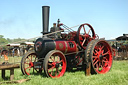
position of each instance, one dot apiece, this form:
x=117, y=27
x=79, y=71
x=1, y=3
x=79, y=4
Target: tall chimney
x=45, y=19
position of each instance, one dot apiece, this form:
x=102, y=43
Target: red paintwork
x=60, y=70
x=28, y=64
x=64, y=46
x=72, y=36
x=102, y=57
x=85, y=38
x=74, y=49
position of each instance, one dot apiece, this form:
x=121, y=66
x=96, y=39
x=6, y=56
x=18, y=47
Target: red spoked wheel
x=54, y=64
x=101, y=57
x=85, y=34
x=27, y=64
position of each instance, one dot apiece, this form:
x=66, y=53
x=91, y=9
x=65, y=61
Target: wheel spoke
x=89, y=31
x=29, y=70
x=95, y=62
x=97, y=67
x=26, y=63
x=102, y=67
x=83, y=42
x=105, y=59
x=96, y=52
x=50, y=64
x=35, y=70
x=105, y=53
x=102, y=47
x=106, y=62
x=102, y=52
x=27, y=67
x=52, y=59
x=51, y=68
x=102, y=63
x=52, y=71
x=99, y=47
x=56, y=72
x=84, y=29
x=99, y=64
x=29, y=59
x=59, y=61
x=95, y=57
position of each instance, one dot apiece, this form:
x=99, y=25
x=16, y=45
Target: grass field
x=117, y=76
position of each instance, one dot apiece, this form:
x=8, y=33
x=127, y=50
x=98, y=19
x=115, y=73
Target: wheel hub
x=100, y=57
x=31, y=64
x=57, y=65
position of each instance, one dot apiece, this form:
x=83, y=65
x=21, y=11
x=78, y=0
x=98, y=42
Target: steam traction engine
x=58, y=51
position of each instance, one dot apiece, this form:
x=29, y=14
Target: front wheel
x=54, y=64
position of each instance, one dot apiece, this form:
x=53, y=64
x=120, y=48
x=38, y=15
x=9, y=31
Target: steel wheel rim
x=102, y=57
x=56, y=65
x=29, y=63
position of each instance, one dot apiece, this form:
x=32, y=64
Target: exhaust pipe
x=45, y=19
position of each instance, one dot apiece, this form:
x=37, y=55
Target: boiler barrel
x=66, y=46
x=44, y=45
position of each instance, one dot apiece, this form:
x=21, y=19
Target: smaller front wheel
x=54, y=64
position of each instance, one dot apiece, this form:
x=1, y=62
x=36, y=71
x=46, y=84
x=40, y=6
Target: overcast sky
x=23, y=18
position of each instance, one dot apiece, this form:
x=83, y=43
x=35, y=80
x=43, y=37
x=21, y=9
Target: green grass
x=11, y=59
x=117, y=76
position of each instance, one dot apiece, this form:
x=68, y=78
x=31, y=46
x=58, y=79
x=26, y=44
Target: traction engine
x=62, y=49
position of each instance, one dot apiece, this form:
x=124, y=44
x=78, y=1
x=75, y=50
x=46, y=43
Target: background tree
x=3, y=40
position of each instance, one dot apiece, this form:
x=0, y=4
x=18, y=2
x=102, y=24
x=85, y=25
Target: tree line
x=5, y=41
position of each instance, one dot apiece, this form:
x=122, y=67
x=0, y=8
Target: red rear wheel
x=54, y=64
x=85, y=34
x=101, y=57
